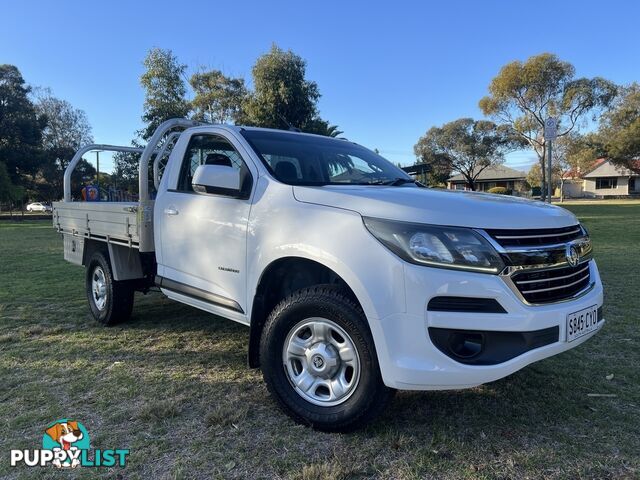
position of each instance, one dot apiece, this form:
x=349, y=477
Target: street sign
x=550, y=129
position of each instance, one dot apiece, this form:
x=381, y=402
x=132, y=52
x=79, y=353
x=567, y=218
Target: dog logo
x=573, y=257
x=65, y=444
x=68, y=436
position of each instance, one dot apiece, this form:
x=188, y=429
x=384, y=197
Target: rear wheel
x=319, y=361
x=110, y=301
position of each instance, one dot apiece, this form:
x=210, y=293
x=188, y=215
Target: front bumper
x=410, y=361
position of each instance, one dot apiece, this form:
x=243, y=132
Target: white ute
x=354, y=280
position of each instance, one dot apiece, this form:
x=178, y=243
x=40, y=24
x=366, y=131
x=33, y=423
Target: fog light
x=466, y=345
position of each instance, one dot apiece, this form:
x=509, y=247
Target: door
x=204, y=236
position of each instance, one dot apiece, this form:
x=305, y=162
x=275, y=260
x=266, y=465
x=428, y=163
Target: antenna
x=286, y=122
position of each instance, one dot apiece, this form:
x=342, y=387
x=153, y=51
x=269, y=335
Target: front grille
x=539, y=236
x=543, y=286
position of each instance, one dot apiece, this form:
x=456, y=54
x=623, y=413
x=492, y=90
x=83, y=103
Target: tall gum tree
x=66, y=130
x=165, y=97
x=524, y=94
x=218, y=98
x=283, y=96
x=165, y=90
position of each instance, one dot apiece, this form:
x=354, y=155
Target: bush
x=499, y=190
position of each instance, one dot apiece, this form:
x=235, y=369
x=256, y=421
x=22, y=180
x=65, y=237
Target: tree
x=618, y=137
x=466, y=146
x=437, y=176
x=281, y=93
x=83, y=174
x=165, y=90
x=534, y=176
x=218, y=98
x=20, y=126
x=571, y=159
x=322, y=127
x=66, y=130
x=125, y=170
x=6, y=187
x=9, y=193
x=523, y=95
x=165, y=98
x=283, y=97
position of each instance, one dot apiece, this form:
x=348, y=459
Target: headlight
x=437, y=246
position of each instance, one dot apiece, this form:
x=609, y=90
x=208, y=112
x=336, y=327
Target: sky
x=387, y=71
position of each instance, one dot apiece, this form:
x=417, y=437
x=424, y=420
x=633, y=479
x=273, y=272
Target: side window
x=209, y=149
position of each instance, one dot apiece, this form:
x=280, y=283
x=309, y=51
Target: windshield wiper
x=393, y=182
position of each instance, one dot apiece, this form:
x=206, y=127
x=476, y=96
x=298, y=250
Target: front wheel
x=319, y=361
x=110, y=301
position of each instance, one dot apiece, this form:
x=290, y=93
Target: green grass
x=172, y=386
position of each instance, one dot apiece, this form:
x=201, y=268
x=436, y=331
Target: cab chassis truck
x=355, y=280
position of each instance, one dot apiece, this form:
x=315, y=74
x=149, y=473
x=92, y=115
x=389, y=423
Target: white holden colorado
x=354, y=280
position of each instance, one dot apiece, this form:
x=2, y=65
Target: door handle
x=171, y=211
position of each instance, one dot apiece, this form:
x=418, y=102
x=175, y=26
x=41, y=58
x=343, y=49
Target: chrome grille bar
x=548, y=235
x=525, y=292
x=551, y=279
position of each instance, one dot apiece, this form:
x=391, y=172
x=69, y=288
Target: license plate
x=582, y=322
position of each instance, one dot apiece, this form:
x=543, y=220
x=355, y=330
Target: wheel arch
x=92, y=246
x=280, y=278
x=126, y=263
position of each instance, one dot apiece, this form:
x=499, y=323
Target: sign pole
x=550, y=134
x=549, y=163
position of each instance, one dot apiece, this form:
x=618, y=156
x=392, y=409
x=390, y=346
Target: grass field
x=172, y=386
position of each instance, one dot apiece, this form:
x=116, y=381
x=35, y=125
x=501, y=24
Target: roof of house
x=494, y=172
x=576, y=174
x=602, y=167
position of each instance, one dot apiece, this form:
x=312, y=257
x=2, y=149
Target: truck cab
x=355, y=280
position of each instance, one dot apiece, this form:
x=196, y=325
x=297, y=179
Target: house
x=608, y=180
x=490, y=177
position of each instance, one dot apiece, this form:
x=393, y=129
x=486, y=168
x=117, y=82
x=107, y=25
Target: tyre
x=318, y=360
x=111, y=302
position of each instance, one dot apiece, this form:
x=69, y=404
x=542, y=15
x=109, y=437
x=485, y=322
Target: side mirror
x=218, y=179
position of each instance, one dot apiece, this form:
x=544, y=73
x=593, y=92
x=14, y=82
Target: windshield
x=314, y=160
